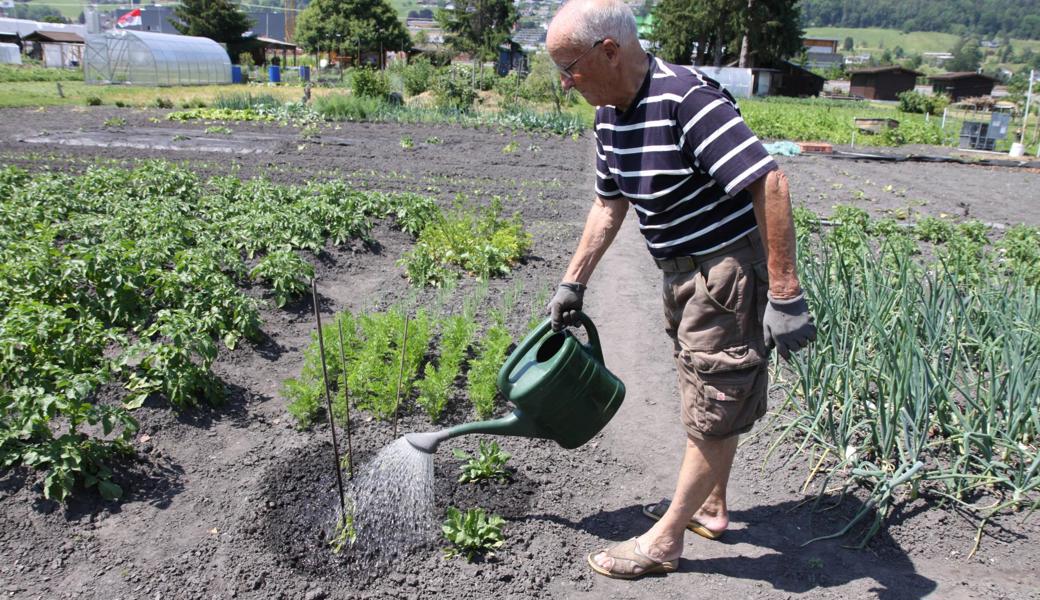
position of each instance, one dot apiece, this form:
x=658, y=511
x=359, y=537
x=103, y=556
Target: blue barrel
x=274, y=74
x=236, y=73
x=305, y=73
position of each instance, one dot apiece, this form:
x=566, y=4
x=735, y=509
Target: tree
x=218, y=20
x=350, y=25
x=966, y=55
x=478, y=26
x=719, y=28
x=849, y=44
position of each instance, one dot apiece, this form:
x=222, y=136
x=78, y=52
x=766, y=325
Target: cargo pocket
x=730, y=381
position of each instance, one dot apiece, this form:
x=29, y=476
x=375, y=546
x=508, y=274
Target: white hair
x=599, y=19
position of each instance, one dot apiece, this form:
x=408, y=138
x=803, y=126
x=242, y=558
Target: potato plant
x=132, y=279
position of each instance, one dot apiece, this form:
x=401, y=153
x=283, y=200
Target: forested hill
x=986, y=18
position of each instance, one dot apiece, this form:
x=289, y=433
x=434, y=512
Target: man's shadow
x=784, y=528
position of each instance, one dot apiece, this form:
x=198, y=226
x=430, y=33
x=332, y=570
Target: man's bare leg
x=706, y=466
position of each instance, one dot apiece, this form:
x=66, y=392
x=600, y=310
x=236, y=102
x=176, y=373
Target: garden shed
x=962, y=85
x=146, y=58
x=882, y=83
x=56, y=48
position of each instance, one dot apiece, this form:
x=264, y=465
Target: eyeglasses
x=566, y=71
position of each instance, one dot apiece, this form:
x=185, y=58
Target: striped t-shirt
x=682, y=155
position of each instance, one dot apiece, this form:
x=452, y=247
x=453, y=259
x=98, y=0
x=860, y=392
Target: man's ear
x=611, y=50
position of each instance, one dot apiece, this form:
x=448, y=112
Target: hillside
x=986, y=18
x=912, y=42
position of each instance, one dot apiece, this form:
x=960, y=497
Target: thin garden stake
x=328, y=396
x=400, y=375
x=346, y=399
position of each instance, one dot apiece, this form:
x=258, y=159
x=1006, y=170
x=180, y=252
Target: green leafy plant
x=478, y=242
x=488, y=465
x=161, y=102
x=510, y=148
x=219, y=129
x=115, y=122
x=472, y=533
x=93, y=101
x=407, y=143
x=369, y=83
x=286, y=272
x=932, y=229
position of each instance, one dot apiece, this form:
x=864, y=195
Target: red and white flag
x=130, y=19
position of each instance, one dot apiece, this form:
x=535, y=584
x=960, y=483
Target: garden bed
x=234, y=500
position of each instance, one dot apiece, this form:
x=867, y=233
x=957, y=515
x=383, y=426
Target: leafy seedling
x=488, y=465
x=472, y=533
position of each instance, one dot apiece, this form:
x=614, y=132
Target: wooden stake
x=328, y=396
x=346, y=400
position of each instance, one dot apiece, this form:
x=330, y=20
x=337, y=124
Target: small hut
x=56, y=48
x=962, y=85
x=882, y=83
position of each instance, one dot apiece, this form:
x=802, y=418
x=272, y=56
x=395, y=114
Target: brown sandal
x=656, y=511
x=629, y=551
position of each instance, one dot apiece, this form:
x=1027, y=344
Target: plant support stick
x=346, y=399
x=400, y=375
x=328, y=397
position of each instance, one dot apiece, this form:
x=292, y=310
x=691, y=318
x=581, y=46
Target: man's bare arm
x=601, y=226
x=771, y=199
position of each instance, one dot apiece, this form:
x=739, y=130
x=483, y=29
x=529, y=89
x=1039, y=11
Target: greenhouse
x=146, y=58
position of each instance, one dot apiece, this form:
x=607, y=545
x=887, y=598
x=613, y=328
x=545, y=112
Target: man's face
x=584, y=68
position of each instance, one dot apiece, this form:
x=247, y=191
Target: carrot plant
x=482, y=380
x=436, y=384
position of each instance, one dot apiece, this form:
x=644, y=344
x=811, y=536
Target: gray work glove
x=565, y=304
x=788, y=325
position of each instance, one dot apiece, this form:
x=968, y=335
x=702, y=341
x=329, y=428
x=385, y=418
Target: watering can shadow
x=560, y=387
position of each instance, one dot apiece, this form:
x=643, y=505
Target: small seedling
x=115, y=122
x=180, y=137
x=488, y=465
x=510, y=148
x=219, y=129
x=346, y=532
x=434, y=140
x=472, y=533
x=407, y=143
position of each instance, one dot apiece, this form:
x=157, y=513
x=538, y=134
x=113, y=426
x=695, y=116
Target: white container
x=1017, y=150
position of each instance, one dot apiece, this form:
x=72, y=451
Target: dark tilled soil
x=235, y=502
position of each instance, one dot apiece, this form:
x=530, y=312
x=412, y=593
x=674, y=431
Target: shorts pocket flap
x=731, y=359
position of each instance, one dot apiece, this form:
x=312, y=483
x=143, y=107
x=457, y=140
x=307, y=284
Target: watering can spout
x=515, y=423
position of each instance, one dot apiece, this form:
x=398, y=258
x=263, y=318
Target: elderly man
x=716, y=215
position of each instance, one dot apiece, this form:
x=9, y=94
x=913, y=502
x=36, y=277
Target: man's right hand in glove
x=565, y=304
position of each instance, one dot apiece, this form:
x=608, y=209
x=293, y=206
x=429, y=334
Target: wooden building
x=962, y=85
x=56, y=48
x=882, y=83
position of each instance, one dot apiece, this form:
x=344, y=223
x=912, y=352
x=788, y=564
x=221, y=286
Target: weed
x=434, y=140
x=161, y=102
x=407, y=143
x=510, y=148
x=219, y=129
x=115, y=122
x=93, y=101
x=472, y=533
x=488, y=465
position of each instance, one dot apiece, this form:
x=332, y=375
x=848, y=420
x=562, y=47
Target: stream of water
x=393, y=503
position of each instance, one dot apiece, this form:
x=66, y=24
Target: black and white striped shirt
x=682, y=155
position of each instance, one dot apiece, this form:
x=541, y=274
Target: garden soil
x=235, y=502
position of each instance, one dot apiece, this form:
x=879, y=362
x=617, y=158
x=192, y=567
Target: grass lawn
x=45, y=93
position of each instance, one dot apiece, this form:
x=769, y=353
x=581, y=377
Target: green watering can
x=560, y=387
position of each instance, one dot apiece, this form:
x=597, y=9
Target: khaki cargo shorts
x=713, y=313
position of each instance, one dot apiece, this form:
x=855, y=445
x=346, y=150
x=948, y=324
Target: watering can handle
x=536, y=336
